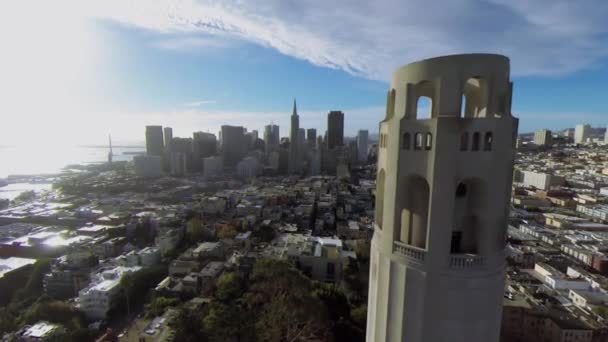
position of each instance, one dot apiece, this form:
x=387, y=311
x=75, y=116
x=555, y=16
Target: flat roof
x=13, y=263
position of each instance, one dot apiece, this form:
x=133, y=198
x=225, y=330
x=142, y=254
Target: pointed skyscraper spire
x=295, y=108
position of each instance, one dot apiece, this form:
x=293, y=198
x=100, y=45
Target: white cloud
x=371, y=38
x=199, y=103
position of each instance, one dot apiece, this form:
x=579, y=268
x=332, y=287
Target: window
x=406, y=141
x=429, y=141
x=330, y=270
x=418, y=141
x=487, y=142
x=464, y=141
x=424, y=107
x=475, y=146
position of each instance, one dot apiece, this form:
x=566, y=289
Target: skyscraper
x=233, y=145
x=271, y=138
x=335, y=129
x=293, y=165
x=154, y=140
x=311, y=137
x=362, y=141
x=168, y=133
x=581, y=133
x=543, y=137
x=204, y=144
x=606, y=136
x=442, y=203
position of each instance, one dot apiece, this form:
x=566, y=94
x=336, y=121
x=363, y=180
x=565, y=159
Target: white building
x=213, y=166
x=148, y=166
x=149, y=256
x=168, y=240
x=442, y=196
x=98, y=298
x=41, y=331
x=581, y=133
x=543, y=137
x=248, y=167
x=541, y=180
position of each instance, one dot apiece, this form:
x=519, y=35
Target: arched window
x=418, y=141
x=424, y=107
x=429, y=141
x=469, y=199
x=464, y=141
x=474, y=99
x=406, y=141
x=487, y=142
x=414, y=214
x=380, y=197
x=475, y=146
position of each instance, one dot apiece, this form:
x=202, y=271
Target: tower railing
x=465, y=261
x=410, y=252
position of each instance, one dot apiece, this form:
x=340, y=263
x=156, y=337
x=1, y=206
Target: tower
x=335, y=129
x=154, y=140
x=442, y=202
x=110, y=155
x=293, y=165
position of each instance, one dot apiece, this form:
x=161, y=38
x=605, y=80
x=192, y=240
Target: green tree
x=158, y=306
x=188, y=326
x=195, y=230
x=227, y=232
x=229, y=286
x=34, y=286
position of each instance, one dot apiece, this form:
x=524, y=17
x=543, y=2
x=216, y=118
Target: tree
x=229, y=286
x=195, y=231
x=158, y=306
x=227, y=232
x=188, y=326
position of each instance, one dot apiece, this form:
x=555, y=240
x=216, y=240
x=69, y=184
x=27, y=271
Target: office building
x=213, y=166
x=543, y=137
x=204, y=144
x=335, y=129
x=293, y=165
x=442, y=202
x=233, y=145
x=271, y=138
x=168, y=134
x=606, y=136
x=581, y=133
x=148, y=166
x=311, y=137
x=362, y=141
x=154, y=140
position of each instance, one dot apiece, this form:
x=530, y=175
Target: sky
x=74, y=71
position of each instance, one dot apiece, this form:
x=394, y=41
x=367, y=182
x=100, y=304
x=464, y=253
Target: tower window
x=429, y=141
x=461, y=190
x=406, y=141
x=487, y=143
x=464, y=141
x=418, y=141
x=476, y=138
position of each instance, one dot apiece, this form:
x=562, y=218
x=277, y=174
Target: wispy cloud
x=371, y=38
x=198, y=103
x=194, y=43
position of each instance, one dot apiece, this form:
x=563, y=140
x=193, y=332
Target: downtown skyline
x=195, y=66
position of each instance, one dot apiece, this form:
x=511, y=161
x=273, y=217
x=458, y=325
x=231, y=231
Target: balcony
x=409, y=252
x=466, y=261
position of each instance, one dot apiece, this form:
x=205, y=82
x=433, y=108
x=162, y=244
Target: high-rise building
x=311, y=137
x=181, y=146
x=442, y=202
x=271, y=138
x=581, y=133
x=301, y=139
x=154, y=140
x=335, y=129
x=293, y=165
x=168, y=134
x=204, y=144
x=543, y=137
x=233, y=145
x=606, y=136
x=362, y=141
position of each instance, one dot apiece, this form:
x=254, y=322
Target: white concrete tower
x=442, y=202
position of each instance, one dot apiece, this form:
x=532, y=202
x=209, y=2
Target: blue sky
x=83, y=71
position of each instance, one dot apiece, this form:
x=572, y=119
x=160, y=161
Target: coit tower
x=442, y=202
